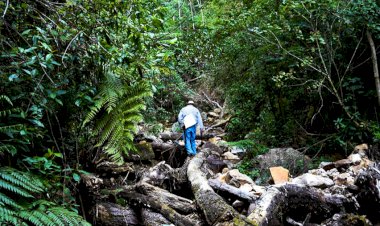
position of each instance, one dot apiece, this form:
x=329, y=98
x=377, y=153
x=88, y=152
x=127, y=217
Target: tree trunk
x=151, y=218
x=172, y=207
x=297, y=202
x=214, y=208
x=374, y=65
x=111, y=214
x=234, y=191
x=178, y=136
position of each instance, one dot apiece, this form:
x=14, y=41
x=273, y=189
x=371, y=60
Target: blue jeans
x=189, y=136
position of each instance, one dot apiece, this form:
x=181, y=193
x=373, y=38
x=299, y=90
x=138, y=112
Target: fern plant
x=6, y=129
x=116, y=113
x=21, y=203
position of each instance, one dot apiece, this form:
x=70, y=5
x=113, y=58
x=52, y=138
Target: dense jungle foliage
x=77, y=77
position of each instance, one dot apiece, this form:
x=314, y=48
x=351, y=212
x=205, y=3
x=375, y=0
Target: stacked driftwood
x=160, y=185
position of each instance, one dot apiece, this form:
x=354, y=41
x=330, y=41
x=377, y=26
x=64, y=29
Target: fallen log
x=111, y=214
x=162, y=173
x=214, y=208
x=166, y=146
x=178, y=136
x=296, y=202
x=151, y=218
x=368, y=183
x=171, y=206
x=217, y=185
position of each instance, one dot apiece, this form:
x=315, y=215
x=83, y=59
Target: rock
x=213, y=147
x=319, y=171
x=361, y=149
x=215, y=163
x=326, y=165
x=237, y=204
x=238, y=151
x=279, y=174
x=343, y=163
x=311, y=180
x=215, y=140
x=332, y=173
x=355, y=158
x=258, y=190
x=346, y=219
x=237, y=178
x=229, y=156
x=246, y=187
x=288, y=158
x=344, y=179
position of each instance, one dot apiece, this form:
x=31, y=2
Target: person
x=189, y=118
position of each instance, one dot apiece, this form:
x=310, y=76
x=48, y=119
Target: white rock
x=242, y=178
x=246, y=187
x=229, y=156
x=311, y=180
x=355, y=158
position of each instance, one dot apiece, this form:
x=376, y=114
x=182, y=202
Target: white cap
x=190, y=102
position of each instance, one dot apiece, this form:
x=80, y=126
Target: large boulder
x=291, y=159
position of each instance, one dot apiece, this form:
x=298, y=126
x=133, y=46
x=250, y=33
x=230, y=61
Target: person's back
x=190, y=110
x=189, y=117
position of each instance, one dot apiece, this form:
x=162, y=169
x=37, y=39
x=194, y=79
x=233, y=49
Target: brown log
x=214, y=208
x=292, y=201
x=217, y=185
x=111, y=214
x=171, y=206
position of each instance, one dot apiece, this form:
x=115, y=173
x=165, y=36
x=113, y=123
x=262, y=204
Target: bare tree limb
x=6, y=8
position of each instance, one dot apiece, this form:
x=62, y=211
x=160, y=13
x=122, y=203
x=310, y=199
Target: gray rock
x=312, y=180
x=291, y=159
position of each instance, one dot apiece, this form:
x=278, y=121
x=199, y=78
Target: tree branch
x=6, y=8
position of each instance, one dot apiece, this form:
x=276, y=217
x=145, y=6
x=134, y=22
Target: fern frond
x=31, y=217
x=8, y=201
x=94, y=111
x=22, y=179
x=15, y=189
x=11, y=128
x=7, y=99
x=7, y=112
x=55, y=217
x=8, y=216
x=8, y=148
x=115, y=155
x=120, y=103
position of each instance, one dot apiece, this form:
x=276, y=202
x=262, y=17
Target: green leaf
x=46, y=46
x=37, y=122
x=76, y=177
